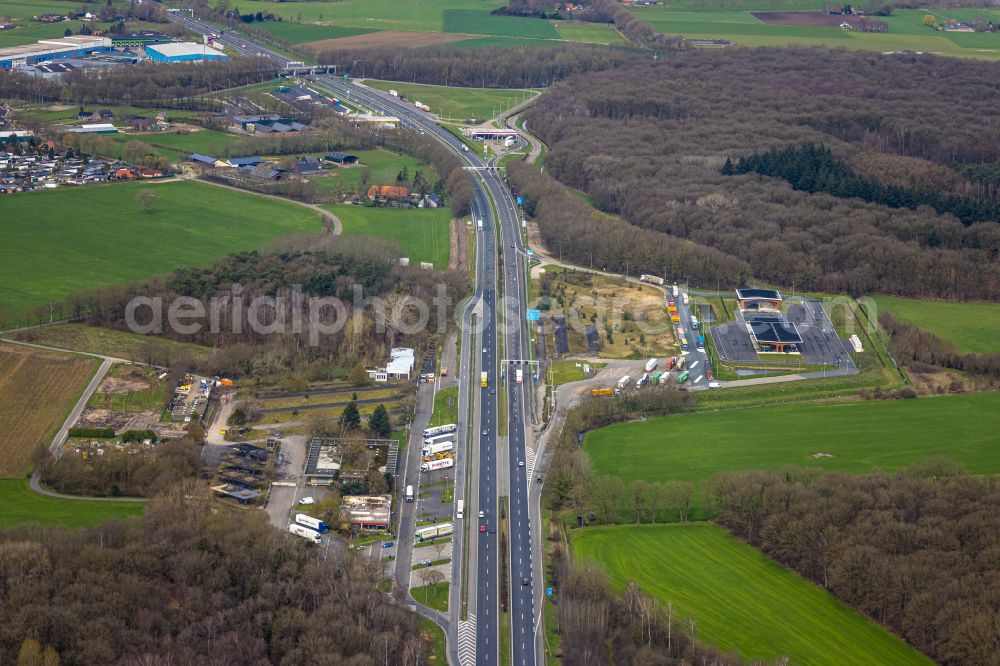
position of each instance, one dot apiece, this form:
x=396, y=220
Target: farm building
x=388, y=192
x=183, y=52
x=94, y=128
x=341, y=158
x=46, y=50
x=774, y=335
x=366, y=513
x=208, y=160
x=756, y=300
x=245, y=161
x=308, y=166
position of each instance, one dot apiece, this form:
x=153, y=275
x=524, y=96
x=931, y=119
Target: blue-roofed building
x=183, y=52
x=207, y=160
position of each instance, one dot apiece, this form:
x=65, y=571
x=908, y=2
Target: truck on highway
x=518, y=376
x=465, y=148
x=433, y=531
x=685, y=298
x=651, y=364
x=409, y=493
x=484, y=380
x=446, y=463
x=394, y=93
x=312, y=523
x=480, y=224
x=676, y=291
x=439, y=430
x=652, y=279
x=694, y=322
x=683, y=377
x=598, y=392
x=434, y=449
x=701, y=342
x=460, y=509
x=305, y=532
x=623, y=382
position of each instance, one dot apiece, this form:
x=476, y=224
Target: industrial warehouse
x=85, y=51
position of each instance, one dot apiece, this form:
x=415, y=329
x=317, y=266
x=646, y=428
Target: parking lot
x=820, y=342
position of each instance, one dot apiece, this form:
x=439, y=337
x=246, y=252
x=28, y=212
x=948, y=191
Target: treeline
x=598, y=627
x=910, y=344
x=190, y=585
x=123, y=474
x=573, y=230
x=813, y=168
x=916, y=551
x=647, y=143
x=518, y=67
x=174, y=85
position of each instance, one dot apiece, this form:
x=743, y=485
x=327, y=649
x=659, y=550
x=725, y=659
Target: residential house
x=388, y=192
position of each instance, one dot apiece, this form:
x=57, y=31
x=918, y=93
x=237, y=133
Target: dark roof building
x=774, y=335
x=341, y=158
x=203, y=159
x=759, y=299
x=245, y=161
x=308, y=166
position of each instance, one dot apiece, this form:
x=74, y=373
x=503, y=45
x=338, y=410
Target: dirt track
x=817, y=19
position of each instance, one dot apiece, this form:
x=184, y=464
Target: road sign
x=520, y=201
x=529, y=251
x=534, y=315
x=548, y=591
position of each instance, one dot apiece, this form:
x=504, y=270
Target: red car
x=482, y=528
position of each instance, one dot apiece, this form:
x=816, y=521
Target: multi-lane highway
x=506, y=261
x=495, y=206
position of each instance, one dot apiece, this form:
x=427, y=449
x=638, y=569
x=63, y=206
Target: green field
x=722, y=20
x=860, y=436
x=434, y=596
x=121, y=344
x=178, y=147
x=595, y=33
x=972, y=327
x=312, y=21
x=564, y=372
x=18, y=504
x=458, y=104
x=67, y=241
x=740, y=600
x=28, y=31
x=445, y=407
x=422, y=233
x=382, y=166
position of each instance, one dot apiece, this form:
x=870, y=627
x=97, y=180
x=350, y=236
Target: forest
x=187, y=585
x=493, y=67
x=916, y=551
x=671, y=125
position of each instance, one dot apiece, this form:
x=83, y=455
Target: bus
x=483, y=380
x=683, y=377
x=461, y=509
x=440, y=430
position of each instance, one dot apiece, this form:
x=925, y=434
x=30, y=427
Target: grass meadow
x=18, y=504
x=734, y=21
x=70, y=240
x=972, y=327
x=458, y=104
x=422, y=233
x=860, y=437
x=738, y=598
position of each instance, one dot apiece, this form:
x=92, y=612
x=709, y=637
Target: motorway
x=522, y=590
x=492, y=262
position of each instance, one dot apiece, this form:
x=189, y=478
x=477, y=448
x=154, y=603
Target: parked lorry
x=598, y=392
x=683, y=377
x=305, y=532
x=439, y=430
x=623, y=382
x=440, y=447
x=437, y=439
x=446, y=463
x=433, y=531
x=518, y=376
x=655, y=379
x=651, y=365
x=312, y=523
x=639, y=383
x=671, y=362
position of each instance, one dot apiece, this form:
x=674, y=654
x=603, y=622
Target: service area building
x=774, y=335
x=183, y=52
x=759, y=300
x=366, y=513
